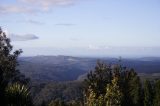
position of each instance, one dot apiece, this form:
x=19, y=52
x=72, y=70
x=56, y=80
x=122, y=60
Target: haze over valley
x=68, y=68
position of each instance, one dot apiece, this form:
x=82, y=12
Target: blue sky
x=83, y=27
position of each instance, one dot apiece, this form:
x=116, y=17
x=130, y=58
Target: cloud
x=26, y=37
x=47, y=4
x=93, y=47
x=35, y=22
x=5, y=9
x=64, y=24
x=29, y=21
x=32, y=6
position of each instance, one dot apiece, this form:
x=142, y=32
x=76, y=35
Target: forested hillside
x=67, y=68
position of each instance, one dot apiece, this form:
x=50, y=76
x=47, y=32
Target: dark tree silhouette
x=9, y=74
x=148, y=93
x=156, y=101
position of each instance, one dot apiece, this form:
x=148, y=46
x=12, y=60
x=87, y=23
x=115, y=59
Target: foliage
x=56, y=103
x=148, y=93
x=123, y=86
x=8, y=62
x=8, y=70
x=131, y=88
x=68, y=92
x=91, y=98
x=157, y=93
x=99, y=78
x=18, y=95
x=113, y=95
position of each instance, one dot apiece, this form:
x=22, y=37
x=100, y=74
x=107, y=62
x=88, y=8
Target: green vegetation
x=148, y=93
x=18, y=95
x=12, y=93
x=68, y=92
x=113, y=96
x=156, y=100
x=120, y=86
x=125, y=88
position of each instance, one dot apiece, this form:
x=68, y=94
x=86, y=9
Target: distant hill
x=67, y=68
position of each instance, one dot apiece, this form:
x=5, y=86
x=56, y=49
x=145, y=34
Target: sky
x=83, y=27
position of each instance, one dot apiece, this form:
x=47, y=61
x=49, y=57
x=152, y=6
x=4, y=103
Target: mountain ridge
x=69, y=68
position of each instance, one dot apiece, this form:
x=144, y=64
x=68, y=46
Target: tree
x=104, y=77
x=99, y=78
x=131, y=88
x=148, y=94
x=127, y=83
x=90, y=98
x=156, y=100
x=8, y=66
x=113, y=95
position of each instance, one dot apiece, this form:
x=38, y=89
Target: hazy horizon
x=113, y=28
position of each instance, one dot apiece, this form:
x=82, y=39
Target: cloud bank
x=26, y=37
